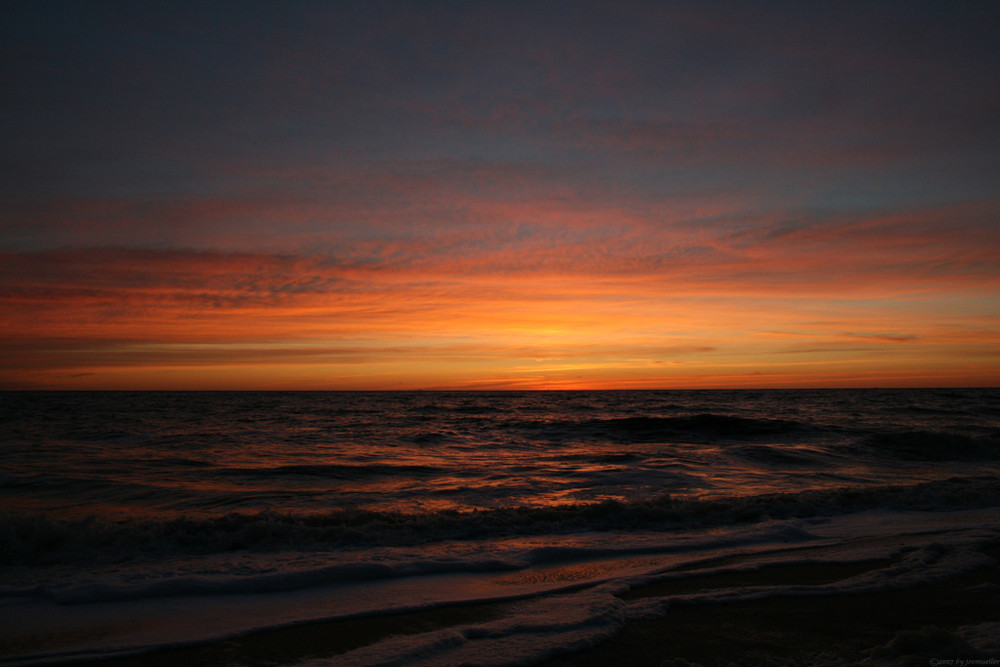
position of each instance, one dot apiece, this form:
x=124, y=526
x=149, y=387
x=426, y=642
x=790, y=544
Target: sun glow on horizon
x=653, y=197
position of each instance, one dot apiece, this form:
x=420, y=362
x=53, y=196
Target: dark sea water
x=134, y=497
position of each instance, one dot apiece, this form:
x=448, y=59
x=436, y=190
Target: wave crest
x=699, y=428
x=933, y=446
x=35, y=540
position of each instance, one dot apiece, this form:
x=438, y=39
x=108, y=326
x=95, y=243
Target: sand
x=910, y=626
x=915, y=626
x=313, y=640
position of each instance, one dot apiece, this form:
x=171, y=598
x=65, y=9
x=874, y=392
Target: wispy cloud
x=500, y=194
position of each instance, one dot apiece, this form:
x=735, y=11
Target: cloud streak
x=400, y=195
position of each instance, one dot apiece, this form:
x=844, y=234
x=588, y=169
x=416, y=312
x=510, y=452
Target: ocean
x=137, y=521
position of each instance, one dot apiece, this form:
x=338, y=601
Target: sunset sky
x=489, y=195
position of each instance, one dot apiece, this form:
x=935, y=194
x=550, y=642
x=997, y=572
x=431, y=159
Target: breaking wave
x=933, y=446
x=689, y=428
x=29, y=539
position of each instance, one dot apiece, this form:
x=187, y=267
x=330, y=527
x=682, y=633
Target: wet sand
x=915, y=626
x=901, y=627
x=324, y=640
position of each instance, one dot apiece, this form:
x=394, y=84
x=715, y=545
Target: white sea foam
x=138, y=521
x=567, y=593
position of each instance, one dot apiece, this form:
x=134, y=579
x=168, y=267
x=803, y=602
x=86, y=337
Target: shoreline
x=905, y=626
x=917, y=625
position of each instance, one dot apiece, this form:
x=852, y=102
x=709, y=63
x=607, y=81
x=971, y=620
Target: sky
x=499, y=195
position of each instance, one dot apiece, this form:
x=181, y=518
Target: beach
x=927, y=592
x=947, y=623
x=951, y=622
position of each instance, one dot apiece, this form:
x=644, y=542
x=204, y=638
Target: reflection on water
x=163, y=453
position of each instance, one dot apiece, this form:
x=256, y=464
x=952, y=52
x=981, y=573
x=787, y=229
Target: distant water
x=148, y=479
x=159, y=456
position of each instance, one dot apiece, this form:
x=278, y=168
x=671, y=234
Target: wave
x=78, y=486
x=28, y=539
x=933, y=446
x=779, y=458
x=249, y=580
x=336, y=470
x=296, y=571
x=698, y=428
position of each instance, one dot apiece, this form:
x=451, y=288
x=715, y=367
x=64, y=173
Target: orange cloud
x=143, y=318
